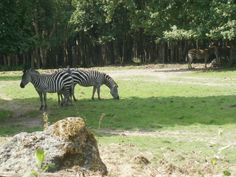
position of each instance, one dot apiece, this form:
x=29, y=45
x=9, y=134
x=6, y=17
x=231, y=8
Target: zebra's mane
x=109, y=81
x=32, y=71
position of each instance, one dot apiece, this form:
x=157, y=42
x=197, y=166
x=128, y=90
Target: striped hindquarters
x=88, y=77
x=197, y=54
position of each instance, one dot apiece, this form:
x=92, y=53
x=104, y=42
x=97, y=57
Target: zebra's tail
x=186, y=58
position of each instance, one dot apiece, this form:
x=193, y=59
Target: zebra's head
x=26, y=77
x=213, y=44
x=114, y=91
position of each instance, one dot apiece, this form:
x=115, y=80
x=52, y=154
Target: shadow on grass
x=134, y=113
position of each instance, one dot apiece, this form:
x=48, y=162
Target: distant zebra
x=60, y=82
x=96, y=79
x=197, y=54
x=224, y=53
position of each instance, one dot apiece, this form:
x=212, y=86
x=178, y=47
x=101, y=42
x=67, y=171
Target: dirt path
x=173, y=75
x=19, y=112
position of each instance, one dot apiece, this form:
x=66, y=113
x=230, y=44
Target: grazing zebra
x=96, y=79
x=60, y=82
x=93, y=78
x=197, y=54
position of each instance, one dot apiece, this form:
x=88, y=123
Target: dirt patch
x=175, y=74
x=127, y=160
x=21, y=115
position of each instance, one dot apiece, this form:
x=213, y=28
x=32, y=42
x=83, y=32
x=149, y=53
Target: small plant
x=100, y=120
x=214, y=161
x=226, y=173
x=41, y=168
x=45, y=120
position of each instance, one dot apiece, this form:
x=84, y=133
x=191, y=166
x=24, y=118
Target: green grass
x=221, y=73
x=146, y=104
x=4, y=115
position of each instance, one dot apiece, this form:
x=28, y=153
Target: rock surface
x=67, y=144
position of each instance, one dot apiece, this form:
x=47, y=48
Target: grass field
x=182, y=121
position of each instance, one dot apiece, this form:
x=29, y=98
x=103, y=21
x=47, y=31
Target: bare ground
x=126, y=160
x=19, y=111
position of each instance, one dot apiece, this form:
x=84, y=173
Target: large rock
x=67, y=143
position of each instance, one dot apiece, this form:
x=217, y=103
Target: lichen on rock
x=67, y=144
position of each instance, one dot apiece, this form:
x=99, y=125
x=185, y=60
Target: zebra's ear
x=25, y=68
x=32, y=69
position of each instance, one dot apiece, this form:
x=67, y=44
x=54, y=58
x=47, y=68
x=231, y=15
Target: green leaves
x=39, y=156
x=226, y=173
x=179, y=34
x=214, y=161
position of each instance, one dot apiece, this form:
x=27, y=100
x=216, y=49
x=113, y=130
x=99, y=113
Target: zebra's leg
x=66, y=93
x=67, y=99
x=188, y=59
x=98, y=92
x=73, y=92
x=205, y=60
x=59, y=98
x=190, y=63
x=45, y=101
x=41, y=100
x=62, y=94
x=94, y=90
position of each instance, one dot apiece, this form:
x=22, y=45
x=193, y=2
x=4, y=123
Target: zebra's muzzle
x=22, y=85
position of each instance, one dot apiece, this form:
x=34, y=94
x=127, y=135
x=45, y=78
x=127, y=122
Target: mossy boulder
x=67, y=144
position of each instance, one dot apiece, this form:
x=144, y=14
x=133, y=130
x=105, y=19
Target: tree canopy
x=97, y=32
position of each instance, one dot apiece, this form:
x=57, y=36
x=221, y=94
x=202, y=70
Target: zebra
x=201, y=54
x=224, y=53
x=93, y=78
x=60, y=82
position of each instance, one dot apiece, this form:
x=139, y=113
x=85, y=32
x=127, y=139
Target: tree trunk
x=162, y=52
x=43, y=56
x=8, y=60
x=111, y=51
x=233, y=53
x=4, y=60
x=66, y=58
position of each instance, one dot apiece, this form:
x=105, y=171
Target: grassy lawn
x=191, y=111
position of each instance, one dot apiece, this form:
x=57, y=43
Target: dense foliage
x=57, y=33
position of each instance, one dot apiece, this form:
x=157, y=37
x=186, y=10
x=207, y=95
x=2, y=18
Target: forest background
x=85, y=33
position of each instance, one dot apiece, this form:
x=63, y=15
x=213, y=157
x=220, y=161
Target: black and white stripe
x=96, y=79
x=60, y=82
